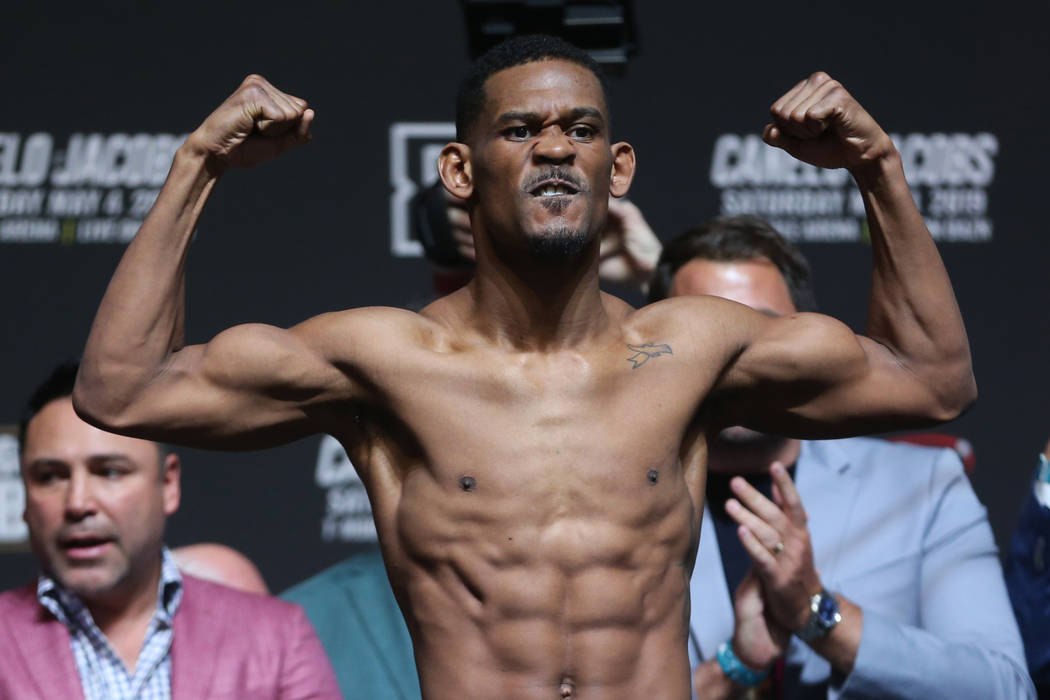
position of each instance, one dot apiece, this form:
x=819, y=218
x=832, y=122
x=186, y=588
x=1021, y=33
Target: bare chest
x=542, y=500
x=546, y=414
x=547, y=441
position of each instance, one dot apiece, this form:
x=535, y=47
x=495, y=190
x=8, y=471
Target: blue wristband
x=735, y=669
x=1041, y=487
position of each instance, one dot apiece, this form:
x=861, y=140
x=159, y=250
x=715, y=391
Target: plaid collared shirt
x=103, y=675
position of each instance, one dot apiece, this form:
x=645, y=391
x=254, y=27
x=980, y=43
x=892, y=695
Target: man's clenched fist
x=255, y=123
x=820, y=123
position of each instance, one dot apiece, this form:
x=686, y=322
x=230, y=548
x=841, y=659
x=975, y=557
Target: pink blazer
x=226, y=644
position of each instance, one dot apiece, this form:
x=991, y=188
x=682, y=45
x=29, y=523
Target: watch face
x=827, y=609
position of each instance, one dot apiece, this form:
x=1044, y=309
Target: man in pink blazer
x=111, y=616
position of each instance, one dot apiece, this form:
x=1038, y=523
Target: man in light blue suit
x=909, y=601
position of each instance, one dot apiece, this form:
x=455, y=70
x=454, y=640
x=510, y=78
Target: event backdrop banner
x=98, y=100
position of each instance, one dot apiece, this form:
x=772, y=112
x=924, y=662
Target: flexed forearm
x=141, y=318
x=139, y=324
x=913, y=316
x=913, y=310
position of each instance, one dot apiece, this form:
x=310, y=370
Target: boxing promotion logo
x=91, y=188
x=949, y=175
x=13, y=531
x=348, y=514
x=414, y=150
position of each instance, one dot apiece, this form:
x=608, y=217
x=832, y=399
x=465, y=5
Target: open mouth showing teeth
x=558, y=189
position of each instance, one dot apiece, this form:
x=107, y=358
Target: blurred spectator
x=361, y=627
x=111, y=616
x=909, y=601
x=220, y=564
x=1028, y=577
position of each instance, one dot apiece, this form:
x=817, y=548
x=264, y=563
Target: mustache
x=555, y=173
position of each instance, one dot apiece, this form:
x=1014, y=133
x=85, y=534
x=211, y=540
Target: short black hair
x=516, y=51
x=59, y=385
x=734, y=239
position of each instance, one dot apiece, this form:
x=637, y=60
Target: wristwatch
x=823, y=616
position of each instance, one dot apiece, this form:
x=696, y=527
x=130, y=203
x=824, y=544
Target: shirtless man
x=534, y=449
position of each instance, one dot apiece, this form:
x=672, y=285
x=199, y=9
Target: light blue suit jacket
x=897, y=530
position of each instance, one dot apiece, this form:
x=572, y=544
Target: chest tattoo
x=642, y=353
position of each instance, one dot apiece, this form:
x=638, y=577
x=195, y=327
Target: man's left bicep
x=809, y=375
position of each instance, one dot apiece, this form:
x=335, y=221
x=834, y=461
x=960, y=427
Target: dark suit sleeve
x=305, y=670
x=1028, y=579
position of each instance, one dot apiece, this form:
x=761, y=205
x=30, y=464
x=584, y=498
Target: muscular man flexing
x=534, y=449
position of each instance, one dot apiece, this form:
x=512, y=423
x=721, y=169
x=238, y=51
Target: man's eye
x=44, y=478
x=110, y=473
x=581, y=131
x=519, y=132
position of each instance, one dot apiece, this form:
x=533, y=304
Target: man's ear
x=170, y=475
x=622, y=169
x=455, y=169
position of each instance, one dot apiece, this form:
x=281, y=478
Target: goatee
x=559, y=243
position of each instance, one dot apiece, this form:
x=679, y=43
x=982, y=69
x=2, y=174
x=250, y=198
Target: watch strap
x=1041, y=486
x=735, y=669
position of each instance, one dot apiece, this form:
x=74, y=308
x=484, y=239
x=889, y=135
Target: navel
x=468, y=483
x=568, y=689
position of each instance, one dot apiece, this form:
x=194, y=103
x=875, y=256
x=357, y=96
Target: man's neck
x=124, y=614
x=731, y=459
x=538, y=305
x=128, y=603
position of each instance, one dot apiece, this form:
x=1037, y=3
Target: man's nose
x=554, y=146
x=80, y=500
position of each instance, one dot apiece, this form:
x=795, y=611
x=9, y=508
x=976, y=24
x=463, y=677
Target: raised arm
x=809, y=375
x=251, y=385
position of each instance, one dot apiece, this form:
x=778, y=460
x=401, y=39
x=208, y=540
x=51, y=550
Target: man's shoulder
x=374, y=328
x=379, y=319
x=712, y=321
x=19, y=605
x=252, y=609
x=879, y=453
x=18, y=596
x=887, y=467
x=698, y=307
x=22, y=618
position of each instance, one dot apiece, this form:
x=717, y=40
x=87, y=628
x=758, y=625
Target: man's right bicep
x=251, y=386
